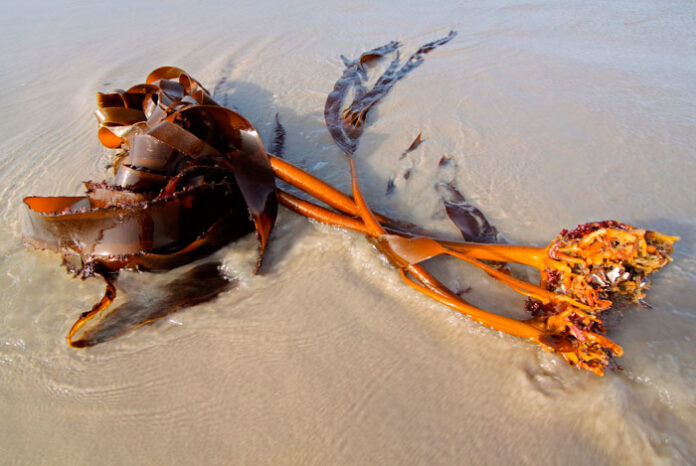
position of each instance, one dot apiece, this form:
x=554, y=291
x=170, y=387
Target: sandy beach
x=553, y=114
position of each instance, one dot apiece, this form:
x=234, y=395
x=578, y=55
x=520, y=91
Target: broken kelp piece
x=471, y=222
x=414, y=145
x=191, y=176
x=347, y=125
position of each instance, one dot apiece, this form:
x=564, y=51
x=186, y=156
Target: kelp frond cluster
x=191, y=176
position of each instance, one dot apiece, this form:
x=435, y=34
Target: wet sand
x=554, y=115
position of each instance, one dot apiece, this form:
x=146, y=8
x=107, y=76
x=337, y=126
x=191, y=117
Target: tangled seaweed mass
x=191, y=176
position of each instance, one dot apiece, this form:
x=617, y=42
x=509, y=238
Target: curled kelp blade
x=122, y=235
x=190, y=177
x=146, y=304
x=246, y=156
x=190, y=173
x=346, y=126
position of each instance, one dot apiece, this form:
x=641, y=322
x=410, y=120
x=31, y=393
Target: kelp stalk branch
x=569, y=326
x=578, y=270
x=591, y=262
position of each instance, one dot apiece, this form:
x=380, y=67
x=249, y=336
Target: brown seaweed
x=346, y=126
x=279, y=133
x=190, y=177
x=188, y=167
x=569, y=321
x=189, y=172
x=472, y=223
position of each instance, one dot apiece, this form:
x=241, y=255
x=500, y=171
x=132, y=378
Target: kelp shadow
x=195, y=286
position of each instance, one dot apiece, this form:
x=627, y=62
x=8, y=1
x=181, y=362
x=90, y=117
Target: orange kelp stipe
x=580, y=270
x=563, y=320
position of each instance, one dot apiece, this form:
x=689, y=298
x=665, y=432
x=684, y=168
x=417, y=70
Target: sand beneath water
x=554, y=114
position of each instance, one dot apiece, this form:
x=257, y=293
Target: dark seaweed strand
x=352, y=77
x=279, y=133
x=407, y=173
x=414, y=145
x=355, y=114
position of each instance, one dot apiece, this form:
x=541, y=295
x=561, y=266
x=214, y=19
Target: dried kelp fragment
x=472, y=223
x=190, y=176
x=414, y=145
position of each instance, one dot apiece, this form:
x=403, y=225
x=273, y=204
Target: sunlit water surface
x=555, y=113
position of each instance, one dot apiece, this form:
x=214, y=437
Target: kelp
x=414, y=145
x=346, y=125
x=190, y=176
x=471, y=222
x=581, y=270
x=279, y=133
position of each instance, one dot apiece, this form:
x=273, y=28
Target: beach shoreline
x=552, y=118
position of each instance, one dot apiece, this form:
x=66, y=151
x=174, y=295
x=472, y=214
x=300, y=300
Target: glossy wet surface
x=552, y=116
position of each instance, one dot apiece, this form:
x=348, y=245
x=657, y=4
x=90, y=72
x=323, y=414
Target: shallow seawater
x=553, y=114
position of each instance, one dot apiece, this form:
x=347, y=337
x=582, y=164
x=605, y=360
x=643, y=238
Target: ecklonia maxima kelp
x=189, y=177
x=192, y=176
